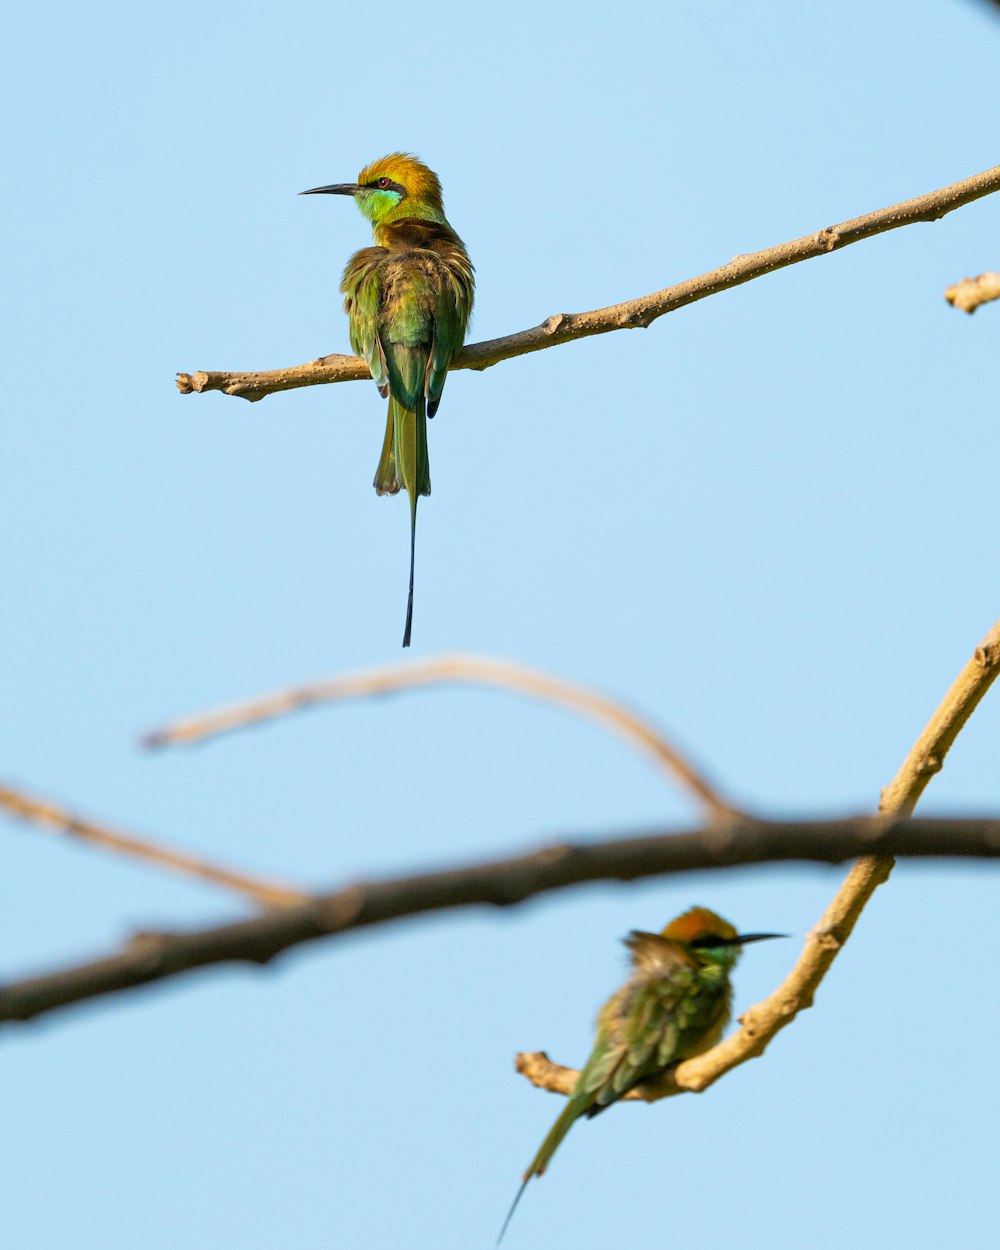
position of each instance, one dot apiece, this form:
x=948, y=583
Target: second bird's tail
x=404, y=464
x=575, y=1107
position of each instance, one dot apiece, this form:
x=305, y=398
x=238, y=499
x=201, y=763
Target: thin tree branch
x=57, y=820
x=500, y=883
x=641, y=312
x=453, y=669
x=969, y=293
x=761, y=1022
x=927, y=754
x=156, y=956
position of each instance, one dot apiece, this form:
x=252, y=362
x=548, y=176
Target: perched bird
x=409, y=300
x=675, y=1004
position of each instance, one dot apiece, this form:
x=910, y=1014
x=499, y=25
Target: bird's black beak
x=342, y=188
x=744, y=938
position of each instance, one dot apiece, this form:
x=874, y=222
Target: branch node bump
x=555, y=853
x=747, y=1026
x=146, y=948
x=828, y=238
x=718, y=836
x=341, y=911
x=969, y=293
x=827, y=940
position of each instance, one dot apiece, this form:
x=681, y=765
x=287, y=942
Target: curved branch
x=969, y=293
x=459, y=670
x=926, y=756
x=641, y=312
x=761, y=1022
x=158, y=956
x=58, y=820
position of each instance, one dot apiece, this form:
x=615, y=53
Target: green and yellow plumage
x=409, y=299
x=675, y=1004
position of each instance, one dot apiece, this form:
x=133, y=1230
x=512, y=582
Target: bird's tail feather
x=574, y=1108
x=571, y=1112
x=387, y=481
x=404, y=463
x=413, y=549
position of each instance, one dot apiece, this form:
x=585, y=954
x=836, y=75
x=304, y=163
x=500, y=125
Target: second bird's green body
x=409, y=299
x=675, y=1004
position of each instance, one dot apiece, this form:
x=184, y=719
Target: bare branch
x=565, y=327
x=926, y=756
x=502, y=883
x=971, y=292
x=761, y=1022
x=156, y=956
x=57, y=820
x=454, y=669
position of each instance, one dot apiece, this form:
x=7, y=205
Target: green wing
x=640, y=1029
x=451, y=320
x=362, y=291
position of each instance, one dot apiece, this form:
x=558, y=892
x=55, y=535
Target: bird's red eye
x=383, y=183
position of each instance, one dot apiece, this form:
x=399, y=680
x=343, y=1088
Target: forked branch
x=150, y=957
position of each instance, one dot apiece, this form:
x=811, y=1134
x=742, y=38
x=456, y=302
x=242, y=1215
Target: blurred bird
x=675, y=1004
x=409, y=300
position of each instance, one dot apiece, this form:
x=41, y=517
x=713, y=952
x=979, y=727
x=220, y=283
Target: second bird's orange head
x=709, y=938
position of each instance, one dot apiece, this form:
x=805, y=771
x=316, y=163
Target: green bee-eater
x=675, y=1004
x=409, y=300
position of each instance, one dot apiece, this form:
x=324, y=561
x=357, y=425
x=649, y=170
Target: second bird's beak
x=744, y=938
x=341, y=188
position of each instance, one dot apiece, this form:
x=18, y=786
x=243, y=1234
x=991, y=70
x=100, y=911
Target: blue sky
x=767, y=521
